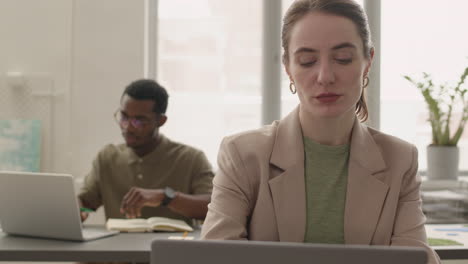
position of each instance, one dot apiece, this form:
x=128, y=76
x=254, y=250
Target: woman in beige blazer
x=260, y=191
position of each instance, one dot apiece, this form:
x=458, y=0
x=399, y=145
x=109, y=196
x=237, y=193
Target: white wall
x=108, y=43
x=107, y=53
x=89, y=50
x=36, y=39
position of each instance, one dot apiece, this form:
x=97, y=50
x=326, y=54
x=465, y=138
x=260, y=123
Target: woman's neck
x=327, y=131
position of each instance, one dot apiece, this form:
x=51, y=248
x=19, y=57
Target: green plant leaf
x=440, y=100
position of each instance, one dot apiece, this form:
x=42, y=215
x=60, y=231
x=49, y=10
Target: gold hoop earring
x=365, y=82
x=292, y=88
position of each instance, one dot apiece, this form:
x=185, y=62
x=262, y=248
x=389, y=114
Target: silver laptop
x=255, y=252
x=43, y=205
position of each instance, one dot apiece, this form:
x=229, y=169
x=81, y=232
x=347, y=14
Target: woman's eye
x=344, y=61
x=307, y=63
x=306, y=60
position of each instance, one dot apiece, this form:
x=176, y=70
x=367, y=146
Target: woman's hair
x=343, y=8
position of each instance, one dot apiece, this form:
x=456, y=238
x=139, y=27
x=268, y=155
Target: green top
x=326, y=175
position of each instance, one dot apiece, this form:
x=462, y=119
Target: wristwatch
x=169, y=195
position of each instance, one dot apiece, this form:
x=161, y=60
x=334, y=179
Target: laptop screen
x=39, y=204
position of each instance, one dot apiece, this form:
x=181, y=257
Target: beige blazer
x=259, y=190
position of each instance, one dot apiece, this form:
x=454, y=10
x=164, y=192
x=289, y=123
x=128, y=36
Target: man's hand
x=137, y=198
x=84, y=216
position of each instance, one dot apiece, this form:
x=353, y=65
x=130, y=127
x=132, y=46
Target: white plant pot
x=442, y=162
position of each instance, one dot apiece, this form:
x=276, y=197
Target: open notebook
x=148, y=225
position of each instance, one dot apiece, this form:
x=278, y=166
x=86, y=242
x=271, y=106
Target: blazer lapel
x=287, y=182
x=365, y=192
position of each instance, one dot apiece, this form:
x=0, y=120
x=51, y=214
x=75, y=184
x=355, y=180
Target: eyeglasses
x=137, y=122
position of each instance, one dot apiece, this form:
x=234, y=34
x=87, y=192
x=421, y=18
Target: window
x=420, y=36
x=209, y=59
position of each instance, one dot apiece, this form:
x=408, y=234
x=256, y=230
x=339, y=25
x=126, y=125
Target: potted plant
x=443, y=153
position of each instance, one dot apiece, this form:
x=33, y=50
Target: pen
x=83, y=209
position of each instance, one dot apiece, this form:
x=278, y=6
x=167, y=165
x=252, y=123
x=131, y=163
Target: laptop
x=43, y=205
x=255, y=252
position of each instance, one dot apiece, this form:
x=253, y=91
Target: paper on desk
x=455, y=234
x=181, y=237
x=443, y=195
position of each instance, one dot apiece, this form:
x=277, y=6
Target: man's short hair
x=146, y=89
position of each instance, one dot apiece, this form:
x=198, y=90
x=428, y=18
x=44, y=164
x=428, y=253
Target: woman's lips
x=327, y=97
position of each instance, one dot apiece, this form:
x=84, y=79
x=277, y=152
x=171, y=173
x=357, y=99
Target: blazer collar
x=364, y=150
x=366, y=193
x=288, y=148
x=287, y=180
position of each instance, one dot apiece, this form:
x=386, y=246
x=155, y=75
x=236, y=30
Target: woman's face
x=327, y=64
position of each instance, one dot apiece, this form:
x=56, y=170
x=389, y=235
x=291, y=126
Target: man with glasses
x=149, y=175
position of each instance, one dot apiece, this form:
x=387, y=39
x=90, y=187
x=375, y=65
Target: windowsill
x=430, y=185
x=445, y=201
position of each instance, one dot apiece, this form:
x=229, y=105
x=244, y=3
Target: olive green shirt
x=326, y=174
x=117, y=168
